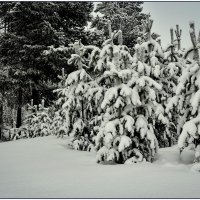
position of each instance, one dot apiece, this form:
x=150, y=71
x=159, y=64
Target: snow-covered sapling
x=188, y=97
x=72, y=103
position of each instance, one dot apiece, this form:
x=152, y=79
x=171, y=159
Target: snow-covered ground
x=46, y=167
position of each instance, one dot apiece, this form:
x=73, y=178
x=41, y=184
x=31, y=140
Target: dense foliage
x=33, y=46
x=125, y=16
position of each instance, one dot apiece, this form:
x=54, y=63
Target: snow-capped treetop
x=193, y=51
x=178, y=36
x=147, y=25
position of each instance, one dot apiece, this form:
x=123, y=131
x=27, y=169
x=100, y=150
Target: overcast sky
x=167, y=14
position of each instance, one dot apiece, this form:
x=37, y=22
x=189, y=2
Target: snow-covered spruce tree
x=42, y=121
x=37, y=122
x=100, y=83
x=173, y=58
x=151, y=53
x=28, y=122
x=59, y=125
x=173, y=67
x=188, y=97
x=126, y=129
x=72, y=102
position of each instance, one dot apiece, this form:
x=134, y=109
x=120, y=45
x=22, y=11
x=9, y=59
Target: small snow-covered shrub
x=37, y=122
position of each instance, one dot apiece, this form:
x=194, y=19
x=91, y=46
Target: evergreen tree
x=175, y=64
x=125, y=16
x=170, y=69
x=122, y=99
x=59, y=125
x=30, y=29
x=7, y=97
x=154, y=56
x=125, y=127
x=38, y=121
x=28, y=122
x=72, y=102
x=187, y=98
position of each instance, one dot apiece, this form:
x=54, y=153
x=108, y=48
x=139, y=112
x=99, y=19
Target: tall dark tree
x=125, y=16
x=31, y=31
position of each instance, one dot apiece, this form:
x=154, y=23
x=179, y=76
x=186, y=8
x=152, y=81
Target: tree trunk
x=196, y=55
x=19, y=117
x=179, y=44
x=19, y=109
x=35, y=96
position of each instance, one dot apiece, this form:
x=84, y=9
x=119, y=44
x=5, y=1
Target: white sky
x=167, y=14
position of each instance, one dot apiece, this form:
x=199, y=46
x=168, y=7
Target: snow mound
x=187, y=156
x=195, y=168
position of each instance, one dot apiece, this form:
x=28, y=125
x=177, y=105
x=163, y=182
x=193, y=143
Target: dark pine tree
x=30, y=30
x=124, y=16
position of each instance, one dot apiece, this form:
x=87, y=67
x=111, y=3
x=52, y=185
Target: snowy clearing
x=46, y=168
